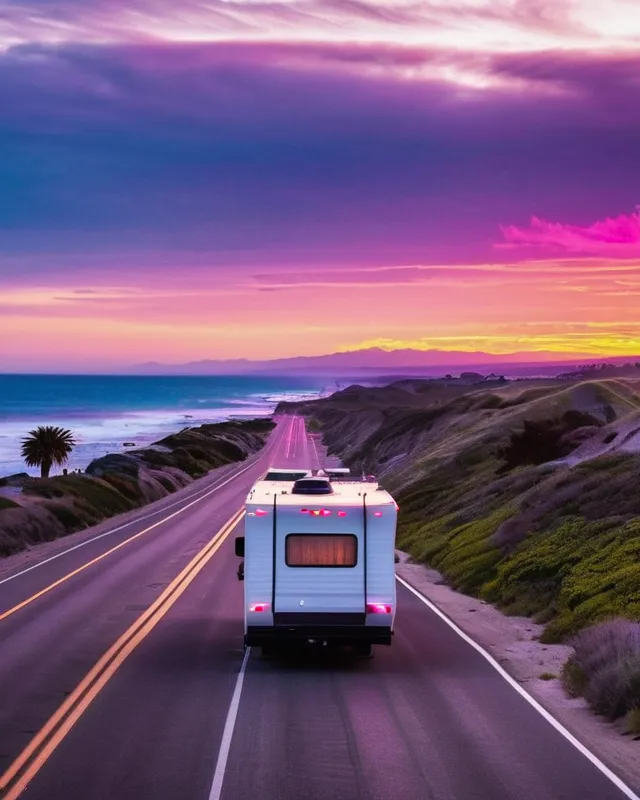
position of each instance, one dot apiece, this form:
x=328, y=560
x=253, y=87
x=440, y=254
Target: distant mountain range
x=370, y=360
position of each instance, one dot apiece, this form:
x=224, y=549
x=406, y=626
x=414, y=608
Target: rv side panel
x=258, y=565
x=381, y=578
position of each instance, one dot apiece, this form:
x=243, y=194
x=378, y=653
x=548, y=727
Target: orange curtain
x=325, y=550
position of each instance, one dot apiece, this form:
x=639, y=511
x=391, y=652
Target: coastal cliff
x=523, y=494
x=37, y=510
x=489, y=476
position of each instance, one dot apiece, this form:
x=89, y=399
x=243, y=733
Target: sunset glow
x=222, y=179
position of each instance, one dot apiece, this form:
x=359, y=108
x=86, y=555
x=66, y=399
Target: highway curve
x=128, y=680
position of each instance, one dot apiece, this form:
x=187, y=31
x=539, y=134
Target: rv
x=318, y=562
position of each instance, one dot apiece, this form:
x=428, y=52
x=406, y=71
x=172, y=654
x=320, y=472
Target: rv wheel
x=363, y=650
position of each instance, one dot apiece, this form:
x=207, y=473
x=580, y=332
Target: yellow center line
x=31, y=759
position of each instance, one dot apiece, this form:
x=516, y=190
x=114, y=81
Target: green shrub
x=633, y=721
x=5, y=502
x=184, y=461
x=94, y=498
x=49, y=488
x=587, y=570
x=130, y=489
x=574, y=678
x=606, y=580
x=464, y=554
x=122, y=463
x=543, y=440
x=155, y=459
x=611, y=463
x=605, y=667
x=228, y=451
x=98, y=494
x=68, y=517
x=489, y=401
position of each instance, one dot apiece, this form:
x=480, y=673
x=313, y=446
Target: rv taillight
x=260, y=512
x=397, y=506
x=259, y=607
x=342, y=513
x=377, y=513
x=378, y=608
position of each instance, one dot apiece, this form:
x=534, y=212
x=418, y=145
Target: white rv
x=319, y=562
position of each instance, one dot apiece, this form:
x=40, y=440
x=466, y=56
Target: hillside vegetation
x=517, y=493
x=46, y=509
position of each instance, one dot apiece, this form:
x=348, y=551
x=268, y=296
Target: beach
x=113, y=414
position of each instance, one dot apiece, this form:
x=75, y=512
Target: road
x=139, y=666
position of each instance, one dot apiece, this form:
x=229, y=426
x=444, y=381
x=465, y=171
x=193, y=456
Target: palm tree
x=46, y=446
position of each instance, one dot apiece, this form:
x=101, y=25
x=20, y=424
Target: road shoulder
x=513, y=642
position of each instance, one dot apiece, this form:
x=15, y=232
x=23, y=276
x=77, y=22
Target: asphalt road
x=427, y=717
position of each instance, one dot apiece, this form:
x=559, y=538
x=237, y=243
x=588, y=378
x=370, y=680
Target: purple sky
x=166, y=167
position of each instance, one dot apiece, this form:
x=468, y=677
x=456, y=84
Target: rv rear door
x=319, y=560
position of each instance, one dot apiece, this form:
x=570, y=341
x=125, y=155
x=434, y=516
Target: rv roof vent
x=312, y=486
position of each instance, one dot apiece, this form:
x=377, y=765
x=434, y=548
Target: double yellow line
x=16, y=778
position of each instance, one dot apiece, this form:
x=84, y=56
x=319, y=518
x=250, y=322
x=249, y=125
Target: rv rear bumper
x=261, y=636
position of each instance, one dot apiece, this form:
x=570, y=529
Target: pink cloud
x=531, y=22
x=619, y=234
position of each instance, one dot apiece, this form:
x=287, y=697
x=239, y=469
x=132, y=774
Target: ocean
x=105, y=411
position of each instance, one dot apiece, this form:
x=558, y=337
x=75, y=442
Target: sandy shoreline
x=99, y=437
x=101, y=430
x=512, y=641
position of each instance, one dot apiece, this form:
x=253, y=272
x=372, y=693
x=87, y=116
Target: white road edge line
x=294, y=438
x=227, y=733
x=618, y=783
x=207, y=489
x=315, y=450
x=289, y=434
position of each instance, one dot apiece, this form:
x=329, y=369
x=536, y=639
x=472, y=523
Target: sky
x=265, y=178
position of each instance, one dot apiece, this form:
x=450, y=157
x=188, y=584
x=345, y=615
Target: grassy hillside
x=49, y=508
x=487, y=497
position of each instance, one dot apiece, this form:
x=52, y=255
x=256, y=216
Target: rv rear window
x=321, y=550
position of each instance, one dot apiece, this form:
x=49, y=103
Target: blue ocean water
x=105, y=411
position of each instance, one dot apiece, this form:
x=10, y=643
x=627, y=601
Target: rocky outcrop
x=119, y=482
x=17, y=480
